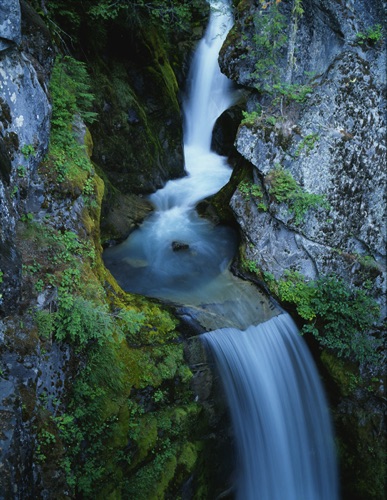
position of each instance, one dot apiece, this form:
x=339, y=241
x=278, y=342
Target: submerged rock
x=178, y=246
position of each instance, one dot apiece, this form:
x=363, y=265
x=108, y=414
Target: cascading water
x=279, y=413
x=278, y=409
x=146, y=262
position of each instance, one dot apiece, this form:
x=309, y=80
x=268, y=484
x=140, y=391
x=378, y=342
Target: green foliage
x=45, y=440
x=347, y=315
x=271, y=120
x=80, y=321
x=373, y=35
x=67, y=160
x=45, y=323
x=308, y=143
x=165, y=13
x=250, y=266
x=250, y=118
x=284, y=189
x=286, y=92
x=250, y=190
x=269, y=45
x=295, y=290
x=338, y=315
x=28, y=150
x=297, y=8
x=140, y=330
x=269, y=38
x=21, y=171
x=71, y=94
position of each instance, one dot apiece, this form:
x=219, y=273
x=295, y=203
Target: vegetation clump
x=338, y=315
x=283, y=188
x=372, y=36
x=254, y=191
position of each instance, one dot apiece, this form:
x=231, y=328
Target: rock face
x=138, y=135
x=24, y=125
x=333, y=144
x=26, y=57
x=50, y=203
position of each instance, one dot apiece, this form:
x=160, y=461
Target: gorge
x=106, y=393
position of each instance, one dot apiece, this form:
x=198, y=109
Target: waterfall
x=210, y=91
x=146, y=262
x=277, y=404
x=282, y=428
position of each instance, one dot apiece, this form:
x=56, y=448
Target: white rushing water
x=146, y=262
x=279, y=413
x=278, y=408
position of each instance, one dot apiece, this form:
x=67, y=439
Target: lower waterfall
x=279, y=413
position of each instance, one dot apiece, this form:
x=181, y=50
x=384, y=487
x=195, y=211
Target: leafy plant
x=167, y=15
x=71, y=92
x=284, y=189
x=251, y=190
x=373, y=35
x=308, y=143
x=337, y=314
x=269, y=38
x=250, y=118
x=21, y=171
x=80, y=321
x=28, y=150
x=290, y=92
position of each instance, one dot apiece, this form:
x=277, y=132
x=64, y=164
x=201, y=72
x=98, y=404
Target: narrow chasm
x=192, y=249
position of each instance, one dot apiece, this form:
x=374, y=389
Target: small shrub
x=337, y=314
x=290, y=92
x=80, y=321
x=373, y=35
x=254, y=191
x=250, y=118
x=28, y=150
x=284, y=189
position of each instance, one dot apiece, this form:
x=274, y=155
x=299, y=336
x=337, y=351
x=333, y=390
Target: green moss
x=342, y=373
x=118, y=429
x=152, y=480
x=188, y=456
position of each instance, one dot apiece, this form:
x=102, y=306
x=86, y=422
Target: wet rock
x=333, y=144
x=344, y=121
x=178, y=246
x=121, y=215
x=138, y=135
x=9, y=24
x=225, y=129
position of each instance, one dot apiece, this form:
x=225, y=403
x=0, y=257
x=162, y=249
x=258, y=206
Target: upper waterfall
x=209, y=90
x=146, y=262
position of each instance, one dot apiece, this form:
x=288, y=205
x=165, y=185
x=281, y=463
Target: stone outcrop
x=333, y=144
x=26, y=57
x=24, y=126
x=44, y=199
